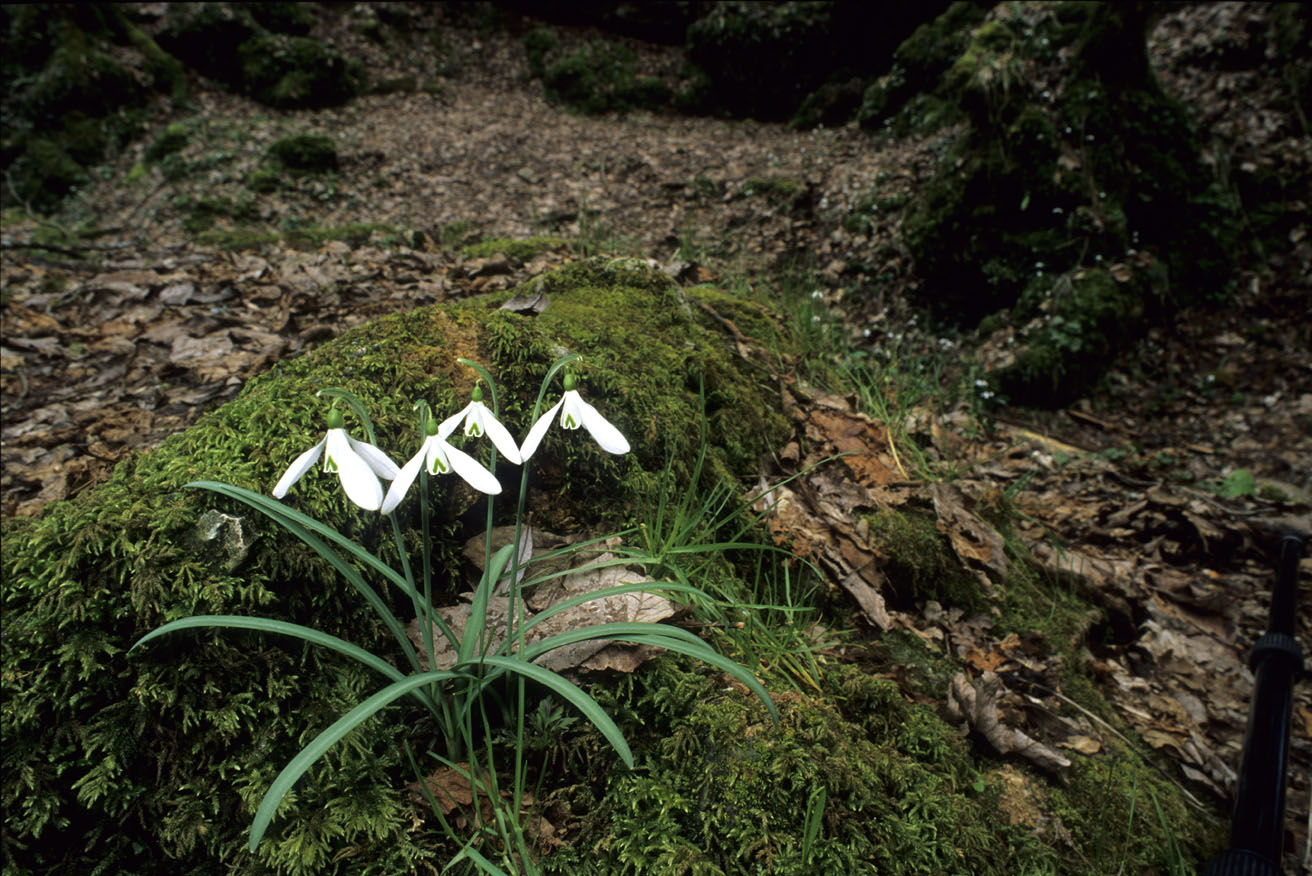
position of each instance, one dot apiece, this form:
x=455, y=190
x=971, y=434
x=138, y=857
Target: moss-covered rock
x=305, y=153
x=152, y=762
x=290, y=72
x=512, y=248
x=80, y=77
x=1096, y=170
x=888, y=787
x=919, y=64
x=259, y=50
x=599, y=76
x=764, y=59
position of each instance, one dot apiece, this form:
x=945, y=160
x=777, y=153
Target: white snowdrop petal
x=539, y=429
x=474, y=474
x=447, y=426
x=300, y=465
x=376, y=459
x=401, y=483
x=571, y=414
x=501, y=438
x=358, y=479
x=601, y=430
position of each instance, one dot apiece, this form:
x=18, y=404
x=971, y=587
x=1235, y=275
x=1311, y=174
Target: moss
x=305, y=153
x=1041, y=189
x=258, y=50
x=308, y=237
x=1079, y=320
x=75, y=98
x=765, y=60
x=598, y=77
x=289, y=18
x=152, y=762
x=290, y=72
x=781, y=191
x=918, y=65
x=540, y=43
x=519, y=250
x=831, y=104
x=172, y=139
x=297, y=155
x=720, y=790
x=920, y=563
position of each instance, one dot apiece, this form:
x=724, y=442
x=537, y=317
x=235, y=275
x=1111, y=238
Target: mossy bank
x=151, y=762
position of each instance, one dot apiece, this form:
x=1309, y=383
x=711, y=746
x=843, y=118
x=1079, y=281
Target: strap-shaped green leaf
x=568, y=691
x=478, y=609
x=330, y=737
x=661, y=635
x=307, y=529
x=284, y=628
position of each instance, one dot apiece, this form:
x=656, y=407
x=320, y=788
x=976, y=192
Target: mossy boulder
x=599, y=76
x=152, y=762
x=296, y=155
x=919, y=64
x=854, y=779
x=291, y=72
x=80, y=77
x=1099, y=169
x=764, y=59
x=260, y=50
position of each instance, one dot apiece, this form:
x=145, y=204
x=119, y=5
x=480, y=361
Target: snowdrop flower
x=479, y=421
x=575, y=412
x=441, y=458
x=357, y=463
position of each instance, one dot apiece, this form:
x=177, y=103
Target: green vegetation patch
x=296, y=155
x=308, y=237
x=920, y=563
x=597, y=77
x=519, y=250
x=260, y=50
x=856, y=779
x=76, y=93
x=1042, y=193
x=152, y=762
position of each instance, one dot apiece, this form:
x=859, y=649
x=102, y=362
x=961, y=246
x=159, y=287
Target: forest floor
x=1161, y=487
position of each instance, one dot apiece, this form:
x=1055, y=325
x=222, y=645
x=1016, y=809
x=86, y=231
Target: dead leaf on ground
x=975, y=704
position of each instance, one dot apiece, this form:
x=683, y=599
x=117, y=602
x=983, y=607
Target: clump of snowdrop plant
x=454, y=697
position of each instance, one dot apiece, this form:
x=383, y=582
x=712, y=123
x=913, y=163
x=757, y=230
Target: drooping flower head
x=479, y=421
x=575, y=412
x=358, y=464
x=441, y=458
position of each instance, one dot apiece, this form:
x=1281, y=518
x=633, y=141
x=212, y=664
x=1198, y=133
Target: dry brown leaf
x=974, y=541
x=975, y=704
x=632, y=607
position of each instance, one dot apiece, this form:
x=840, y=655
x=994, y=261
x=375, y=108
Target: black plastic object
x=1257, y=826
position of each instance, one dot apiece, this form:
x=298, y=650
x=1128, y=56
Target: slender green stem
x=515, y=613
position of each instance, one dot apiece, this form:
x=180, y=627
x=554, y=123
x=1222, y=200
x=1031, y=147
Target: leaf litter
x=1167, y=539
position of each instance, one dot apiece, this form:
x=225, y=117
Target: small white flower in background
x=358, y=464
x=575, y=412
x=441, y=458
x=479, y=421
